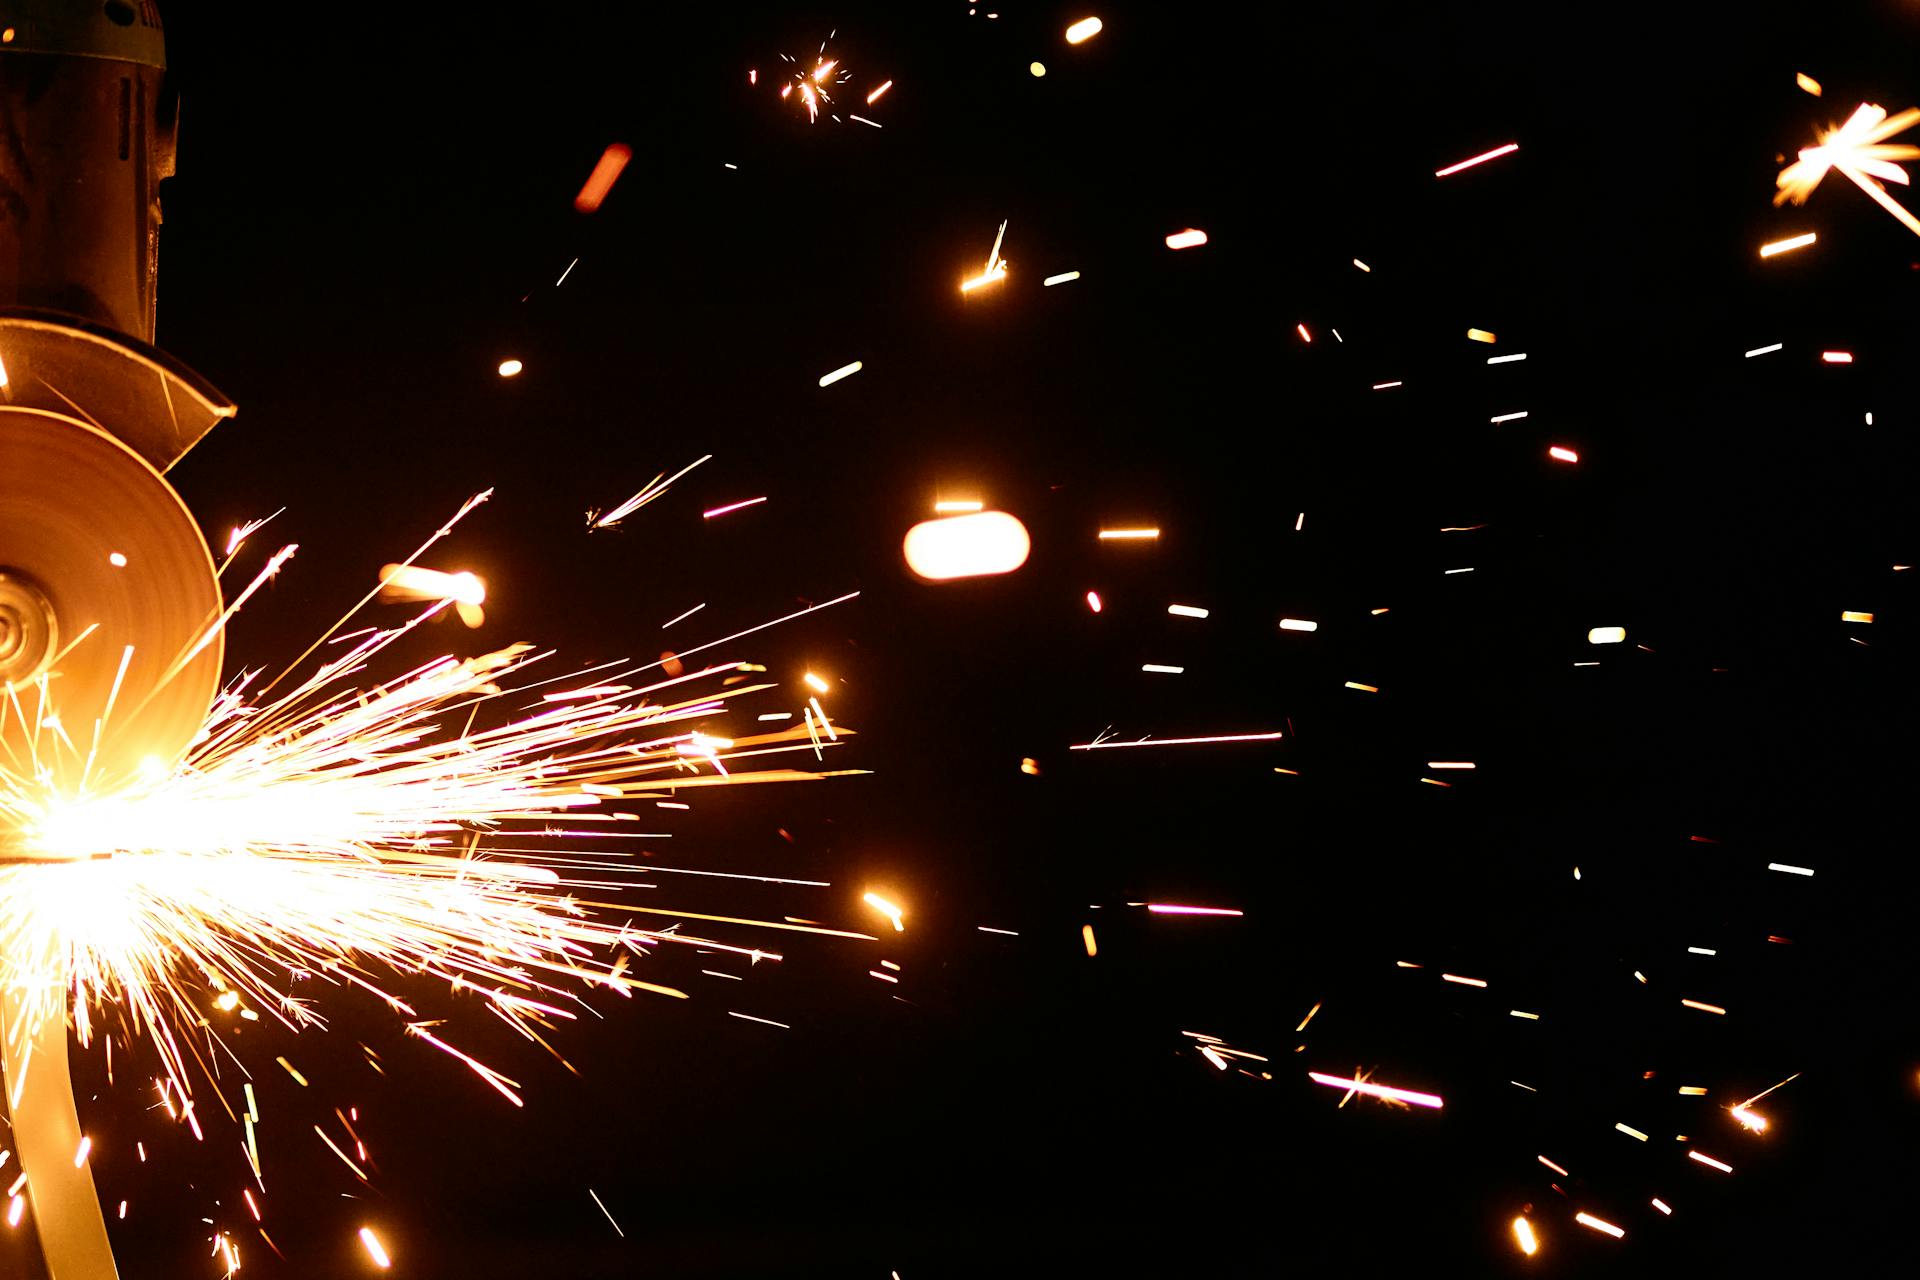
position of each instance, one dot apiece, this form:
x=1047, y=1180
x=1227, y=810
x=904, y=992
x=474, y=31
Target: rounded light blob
x=970, y=546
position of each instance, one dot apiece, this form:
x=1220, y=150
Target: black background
x=371, y=213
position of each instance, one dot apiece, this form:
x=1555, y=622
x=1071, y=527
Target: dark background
x=372, y=212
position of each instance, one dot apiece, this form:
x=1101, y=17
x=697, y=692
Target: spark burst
x=322, y=836
x=1859, y=150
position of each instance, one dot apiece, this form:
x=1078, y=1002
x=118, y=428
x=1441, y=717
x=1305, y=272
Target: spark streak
x=1482, y=158
x=1377, y=1090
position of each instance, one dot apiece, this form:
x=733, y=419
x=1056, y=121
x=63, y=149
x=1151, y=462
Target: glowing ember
x=606, y=171
x=1083, y=30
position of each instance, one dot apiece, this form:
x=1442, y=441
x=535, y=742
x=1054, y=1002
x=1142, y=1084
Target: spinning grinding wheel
x=106, y=592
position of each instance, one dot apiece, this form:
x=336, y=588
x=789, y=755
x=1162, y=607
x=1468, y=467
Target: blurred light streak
x=1085, y=29
x=1761, y=351
x=1661, y=1205
x=605, y=173
x=984, y=928
x=1480, y=335
x=1176, y=742
x=957, y=506
x=1186, y=611
x=1788, y=245
x=885, y=908
x=1298, y=624
x=1465, y=982
x=684, y=616
x=1093, y=601
x=1523, y=1232
x=1191, y=238
x=1518, y=1013
x=1599, y=1224
x=983, y=544
x=1170, y=909
x=1630, y=1131
x=1702, y=1007
x=1037, y=69
x=1606, y=635
x=375, y=1249
x=510, y=368
x=1301, y=329
x=1161, y=669
x=1563, y=454
x=1451, y=764
x=1509, y=417
x=1807, y=83
x=734, y=506
x=1789, y=869
x=1128, y=535
x=1482, y=158
x=603, y=1209
x=1062, y=278
x=1364, y=688
x=1837, y=357
x=1551, y=1165
x=1086, y=939
x=1363, y=266
x=875, y=96
x=1376, y=1090
x=1518, y=355
x=1382, y=386
x=1710, y=1162
x=1752, y=1120
x=844, y=371
x=784, y=1026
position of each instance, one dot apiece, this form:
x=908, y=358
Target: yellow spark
x=1848, y=615
x=1298, y=624
x=844, y=371
x=1606, y=635
x=1063, y=278
x=375, y=1250
x=1523, y=1232
x=955, y=506
x=1085, y=29
x=80, y=1155
x=1466, y=982
x=885, y=908
x=1693, y=1091
x=1788, y=245
x=1807, y=83
x=874, y=96
x=1030, y=766
x=1710, y=1162
x=1364, y=688
x=1480, y=335
x=1128, y=535
x=648, y=492
x=815, y=683
x=510, y=368
x=1086, y=939
x=1752, y=1120
x=1703, y=1007
x=1630, y=1131
x=1186, y=611
x=1036, y=69
x=1599, y=1224
x=117, y=560
x=1859, y=150
x=297, y=1077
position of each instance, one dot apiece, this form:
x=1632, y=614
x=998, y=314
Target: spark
x=1693, y=1091
x=877, y=94
x=603, y=1209
x=1093, y=601
x=1364, y=688
x=1301, y=329
x=1859, y=150
x=1191, y=238
x=1521, y=1013
x=1363, y=266
x=1630, y=1131
x=1837, y=357
x=815, y=683
x=1482, y=158
x=683, y=616
x=1186, y=611
x=1788, y=245
x=1451, y=764
x=1551, y=1165
x=375, y=1250
x=1100, y=745
x=1085, y=29
x=1769, y=1089
x=1037, y=69
x=1703, y=1007
x=1606, y=635
x=1298, y=624
x=983, y=928
x=1807, y=83
x=3, y=374
x=1661, y=1205
x=1309, y=1018
x=1710, y=1162
x=1518, y=355
x=983, y=544
x=606, y=171
x=732, y=506
x=1128, y=535
x=80, y=1155
x=1169, y=909
x=1382, y=386
x=1387, y=1092
x=1062, y=278
x=648, y=492
x=1761, y=351
x=1480, y=335
x=1508, y=417
x=1563, y=453
x=844, y=371
x=747, y=1017
x=885, y=908
x=564, y=274
x=1157, y=668
x=1599, y=1224
x=1523, y=1232
x=958, y=506
x=1086, y=939
x=511, y=368
x=1752, y=1120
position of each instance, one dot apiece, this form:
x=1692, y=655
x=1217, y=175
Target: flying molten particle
x=969, y=546
x=1083, y=30
x=1859, y=150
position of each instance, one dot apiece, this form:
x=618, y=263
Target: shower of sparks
x=340, y=829
x=813, y=87
x=651, y=490
x=1859, y=150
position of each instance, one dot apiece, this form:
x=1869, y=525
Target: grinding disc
x=92, y=537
